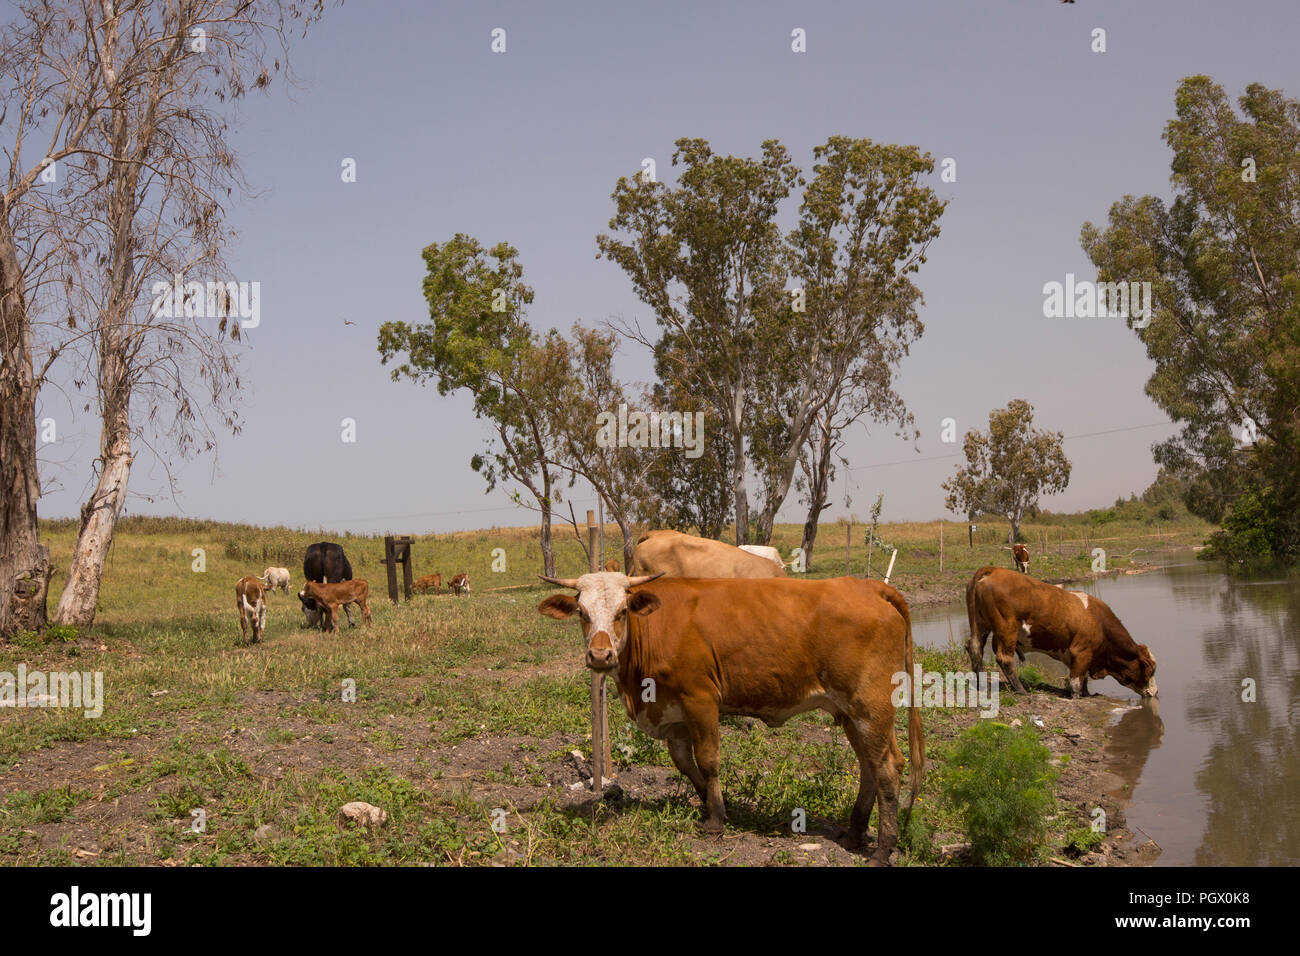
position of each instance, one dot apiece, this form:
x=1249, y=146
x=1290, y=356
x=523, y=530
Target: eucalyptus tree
x=706, y=256
x=1008, y=468
x=478, y=339
x=1223, y=261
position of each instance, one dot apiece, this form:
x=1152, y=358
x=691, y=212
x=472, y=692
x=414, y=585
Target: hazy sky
x=526, y=147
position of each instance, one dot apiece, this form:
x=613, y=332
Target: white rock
x=362, y=814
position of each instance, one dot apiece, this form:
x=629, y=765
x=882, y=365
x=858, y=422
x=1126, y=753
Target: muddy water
x=1214, y=779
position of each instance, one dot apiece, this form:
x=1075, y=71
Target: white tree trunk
x=99, y=517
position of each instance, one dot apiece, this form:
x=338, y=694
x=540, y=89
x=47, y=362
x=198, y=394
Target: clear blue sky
x=526, y=147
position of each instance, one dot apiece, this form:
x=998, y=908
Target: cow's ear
x=559, y=606
x=643, y=602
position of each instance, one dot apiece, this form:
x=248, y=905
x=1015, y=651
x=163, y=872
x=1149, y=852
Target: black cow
x=324, y=563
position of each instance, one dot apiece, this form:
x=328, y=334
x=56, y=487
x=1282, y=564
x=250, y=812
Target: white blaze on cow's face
x=603, y=603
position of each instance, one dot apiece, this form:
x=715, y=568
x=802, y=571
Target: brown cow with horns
x=685, y=651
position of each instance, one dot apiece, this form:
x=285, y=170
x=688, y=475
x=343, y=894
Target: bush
x=1005, y=788
x=1249, y=532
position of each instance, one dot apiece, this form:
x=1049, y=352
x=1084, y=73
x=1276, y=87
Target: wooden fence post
x=390, y=559
x=602, y=766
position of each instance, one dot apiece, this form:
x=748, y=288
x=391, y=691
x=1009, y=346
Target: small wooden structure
x=398, y=551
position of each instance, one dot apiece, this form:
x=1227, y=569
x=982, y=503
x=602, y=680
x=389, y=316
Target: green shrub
x=1083, y=840
x=59, y=634
x=1002, y=783
x=916, y=838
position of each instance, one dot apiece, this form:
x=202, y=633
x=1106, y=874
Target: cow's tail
x=972, y=616
x=915, y=737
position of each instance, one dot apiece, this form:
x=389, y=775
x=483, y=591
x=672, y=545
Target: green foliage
x=1224, y=333
x=1083, y=840
x=1249, y=529
x=1032, y=677
x=1002, y=782
x=916, y=838
x=48, y=806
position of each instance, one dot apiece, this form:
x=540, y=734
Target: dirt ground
x=274, y=738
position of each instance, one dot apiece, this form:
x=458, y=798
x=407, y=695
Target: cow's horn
x=562, y=582
x=644, y=579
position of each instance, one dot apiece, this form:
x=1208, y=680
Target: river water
x=1213, y=777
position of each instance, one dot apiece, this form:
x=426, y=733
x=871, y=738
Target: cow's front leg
x=679, y=748
x=1004, y=651
x=1078, y=665
x=706, y=741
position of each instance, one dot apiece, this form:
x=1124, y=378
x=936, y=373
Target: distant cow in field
x=680, y=555
x=763, y=551
x=1077, y=629
x=333, y=596
x=612, y=565
x=324, y=563
x=1021, y=555
x=769, y=649
x=460, y=584
x=273, y=578
x=427, y=582
x=250, y=598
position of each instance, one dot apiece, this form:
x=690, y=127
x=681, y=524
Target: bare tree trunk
x=25, y=568
x=548, y=551
x=817, y=492
x=738, y=486
x=99, y=515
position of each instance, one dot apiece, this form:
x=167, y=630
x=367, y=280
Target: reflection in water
x=1217, y=781
x=1138, y=732
x=1251, y=775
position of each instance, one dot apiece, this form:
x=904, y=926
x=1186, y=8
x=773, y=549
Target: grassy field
x=466, y=710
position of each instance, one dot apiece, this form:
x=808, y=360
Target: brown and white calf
x=685, y=651
x=273, y=578
x=333, y=597
x=1021, y=554
x=460, y=584
x=250, y=598
x=1077, y=629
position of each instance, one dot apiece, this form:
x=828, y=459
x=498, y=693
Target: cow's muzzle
x=600, y=653
x=1150, y=690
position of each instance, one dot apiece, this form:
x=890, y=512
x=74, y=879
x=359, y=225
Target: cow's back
x=1000, y=593
x=326, y=562
x=764, y=640
x=679, y=555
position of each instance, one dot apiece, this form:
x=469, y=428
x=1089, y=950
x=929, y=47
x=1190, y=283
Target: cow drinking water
x=1077, y=629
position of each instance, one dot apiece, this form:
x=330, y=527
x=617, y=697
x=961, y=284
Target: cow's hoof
x=713, y=827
